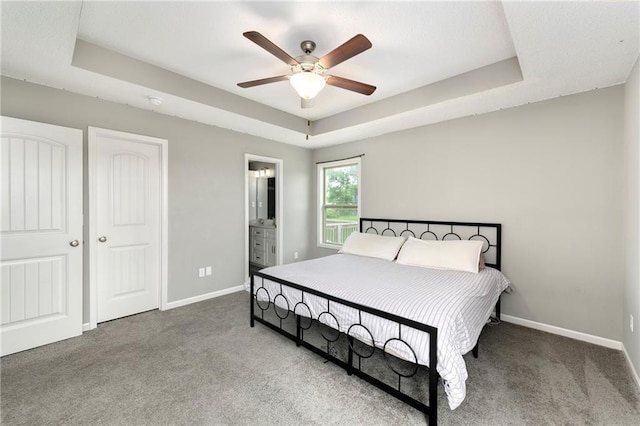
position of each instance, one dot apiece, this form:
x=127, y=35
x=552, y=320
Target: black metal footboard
x=345, y=350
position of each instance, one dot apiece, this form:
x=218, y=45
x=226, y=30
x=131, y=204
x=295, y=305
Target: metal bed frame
x=489, y=233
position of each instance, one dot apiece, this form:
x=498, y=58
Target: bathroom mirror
x=262, y=191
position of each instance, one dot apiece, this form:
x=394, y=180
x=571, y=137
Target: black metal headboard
x=488, y=233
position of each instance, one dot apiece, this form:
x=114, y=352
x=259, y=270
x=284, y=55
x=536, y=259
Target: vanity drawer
x=257, y=243
x=263, y=232
x=257, y=232
x=258, y=257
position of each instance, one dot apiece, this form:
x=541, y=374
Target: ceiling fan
x=308, y=76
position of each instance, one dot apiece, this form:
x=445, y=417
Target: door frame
x=92, y=135
x=279, y=207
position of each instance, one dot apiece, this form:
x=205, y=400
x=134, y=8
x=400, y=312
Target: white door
x=127, y=192
x=41, y=260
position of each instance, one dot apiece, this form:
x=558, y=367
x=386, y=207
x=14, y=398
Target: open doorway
x=263, y=213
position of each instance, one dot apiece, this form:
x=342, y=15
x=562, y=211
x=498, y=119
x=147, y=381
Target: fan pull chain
x=308, y=127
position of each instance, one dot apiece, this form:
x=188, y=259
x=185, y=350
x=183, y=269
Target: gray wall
x=206, y=182
x=631, y=340
x=550, y=172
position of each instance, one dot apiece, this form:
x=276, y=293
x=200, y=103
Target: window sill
x=330, y=246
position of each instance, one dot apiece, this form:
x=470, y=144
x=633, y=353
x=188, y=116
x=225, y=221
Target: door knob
x=74, y=243
x=102, y=239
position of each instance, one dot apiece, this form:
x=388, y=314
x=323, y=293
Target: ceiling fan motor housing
x=307, y=63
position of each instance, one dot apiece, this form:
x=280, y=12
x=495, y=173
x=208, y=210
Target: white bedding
x=457, y=303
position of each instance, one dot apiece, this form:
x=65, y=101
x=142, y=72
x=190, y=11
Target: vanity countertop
x=269, y=225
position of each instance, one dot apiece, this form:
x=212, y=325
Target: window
x=338, y=201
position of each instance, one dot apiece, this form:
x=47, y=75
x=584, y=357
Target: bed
x=396, y=319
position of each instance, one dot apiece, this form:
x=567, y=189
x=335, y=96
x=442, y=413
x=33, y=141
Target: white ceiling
x=423, y=58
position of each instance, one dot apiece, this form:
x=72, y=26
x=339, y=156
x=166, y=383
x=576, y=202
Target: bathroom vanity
x=262, y=246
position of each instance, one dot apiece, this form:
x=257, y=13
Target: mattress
x=457, y=303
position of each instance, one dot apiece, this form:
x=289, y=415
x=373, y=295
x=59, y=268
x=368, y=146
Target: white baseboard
x=190, y=300
x=634, y=373
x=601, y=341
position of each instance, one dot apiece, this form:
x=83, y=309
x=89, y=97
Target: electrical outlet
x=201, y=272
x=208, y=270
x=295, y=255
x=631, y=323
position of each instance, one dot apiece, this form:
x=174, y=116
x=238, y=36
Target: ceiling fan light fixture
x=307, y=83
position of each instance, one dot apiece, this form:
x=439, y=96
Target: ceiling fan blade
x=267, y=45
x=349, y=49
x=262, y=81
x=354, y=86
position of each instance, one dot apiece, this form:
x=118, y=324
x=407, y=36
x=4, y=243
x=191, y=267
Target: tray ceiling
x=431, y=61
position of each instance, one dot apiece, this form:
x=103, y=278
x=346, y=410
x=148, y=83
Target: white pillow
x=460, y=255
x=372, y=245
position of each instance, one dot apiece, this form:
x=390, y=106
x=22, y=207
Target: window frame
x=320, y=187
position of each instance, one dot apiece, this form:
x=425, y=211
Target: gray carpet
x=202, y=364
